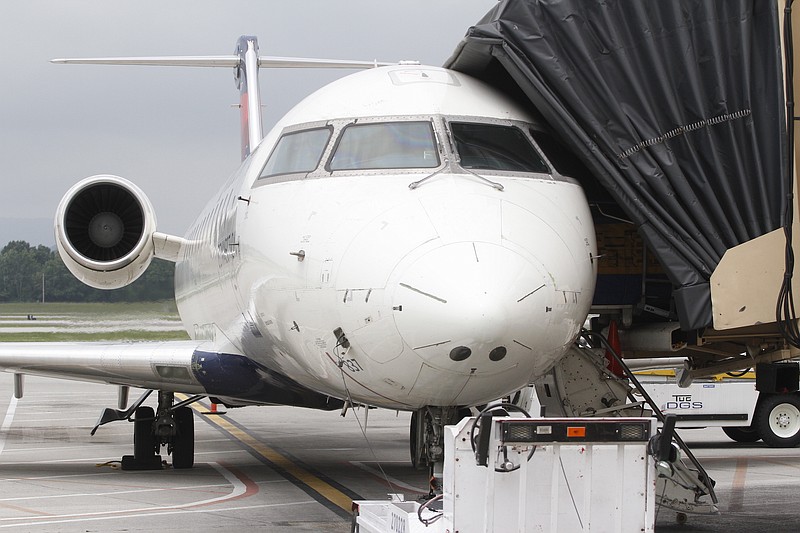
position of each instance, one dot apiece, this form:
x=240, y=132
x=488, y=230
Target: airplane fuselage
x=435, y=271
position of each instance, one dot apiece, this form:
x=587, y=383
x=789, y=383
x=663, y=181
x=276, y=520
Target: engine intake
x=104, y=231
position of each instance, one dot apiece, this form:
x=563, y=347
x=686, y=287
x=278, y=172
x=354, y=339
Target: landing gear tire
x=416, y=441
x=778, y=420
x=742, y=434
x=183, y=447
x=144, y=442
x=427, y=430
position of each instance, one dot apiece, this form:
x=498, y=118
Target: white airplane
x=398, y=239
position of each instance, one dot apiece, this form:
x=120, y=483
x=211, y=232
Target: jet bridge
x=676, y=113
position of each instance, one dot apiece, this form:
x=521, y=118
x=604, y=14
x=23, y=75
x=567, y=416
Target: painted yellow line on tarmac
x=329, y=492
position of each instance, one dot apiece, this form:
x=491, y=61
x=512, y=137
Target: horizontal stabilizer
x=245, y=60
x=306, y=62
x=222, y=61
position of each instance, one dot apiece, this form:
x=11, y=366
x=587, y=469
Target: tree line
x=28, y=274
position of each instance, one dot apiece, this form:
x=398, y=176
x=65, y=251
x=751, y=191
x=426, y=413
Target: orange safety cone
x=213, y=407
x=613, y=340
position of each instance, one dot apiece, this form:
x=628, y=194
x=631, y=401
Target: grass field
x=36, y=322
x=163, y=308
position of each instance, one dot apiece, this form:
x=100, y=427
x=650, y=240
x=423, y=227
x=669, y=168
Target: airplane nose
x=472, y=307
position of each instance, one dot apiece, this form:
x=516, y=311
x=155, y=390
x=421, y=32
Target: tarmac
x=284, y=469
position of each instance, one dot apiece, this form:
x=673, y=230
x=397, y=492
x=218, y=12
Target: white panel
x=597, y=487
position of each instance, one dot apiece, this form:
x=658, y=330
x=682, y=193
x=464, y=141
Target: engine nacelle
x=104, y=231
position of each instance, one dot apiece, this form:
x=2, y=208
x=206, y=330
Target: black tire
x=778, y=420
x=144, y=441
x=417, y=461
x=742, y=434
x=183, y=448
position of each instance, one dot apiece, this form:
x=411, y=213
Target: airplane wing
x=166, y=366
x=191, y=367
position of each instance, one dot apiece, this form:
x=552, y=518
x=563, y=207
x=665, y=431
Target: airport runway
x=282, y=469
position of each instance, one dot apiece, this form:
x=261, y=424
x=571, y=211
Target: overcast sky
x=171, y=130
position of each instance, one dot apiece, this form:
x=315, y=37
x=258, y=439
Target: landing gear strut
x=170, y=425
x=427, y=439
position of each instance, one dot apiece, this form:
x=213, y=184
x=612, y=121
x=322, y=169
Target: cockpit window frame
x=296, y=175
x=523, y=127
x=443, y=152
x=443, y=141
x=434, y=138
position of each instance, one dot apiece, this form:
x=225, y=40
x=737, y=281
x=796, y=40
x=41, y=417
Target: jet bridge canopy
x=676, y=108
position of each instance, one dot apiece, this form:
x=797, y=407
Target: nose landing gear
x=427, y=440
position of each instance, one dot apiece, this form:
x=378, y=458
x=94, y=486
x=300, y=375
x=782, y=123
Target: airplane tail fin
x=245, y=64
x=246, y=75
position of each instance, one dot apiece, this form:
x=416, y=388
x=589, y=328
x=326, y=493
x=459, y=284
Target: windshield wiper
x=413, y=185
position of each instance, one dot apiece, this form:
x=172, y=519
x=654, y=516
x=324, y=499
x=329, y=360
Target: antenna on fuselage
x=245, y=63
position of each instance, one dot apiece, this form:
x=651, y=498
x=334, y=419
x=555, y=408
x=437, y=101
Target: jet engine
x=104, y=231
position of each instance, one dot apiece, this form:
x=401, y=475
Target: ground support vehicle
x=536, y=474
x=735, y=404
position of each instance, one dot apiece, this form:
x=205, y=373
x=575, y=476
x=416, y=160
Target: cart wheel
x=681, y=518
x=778, y=420
x=742, y=434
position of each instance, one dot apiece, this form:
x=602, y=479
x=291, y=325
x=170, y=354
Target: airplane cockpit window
x=386, y=145
x=562, y=158
x=495, y=147
x=298, y=151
